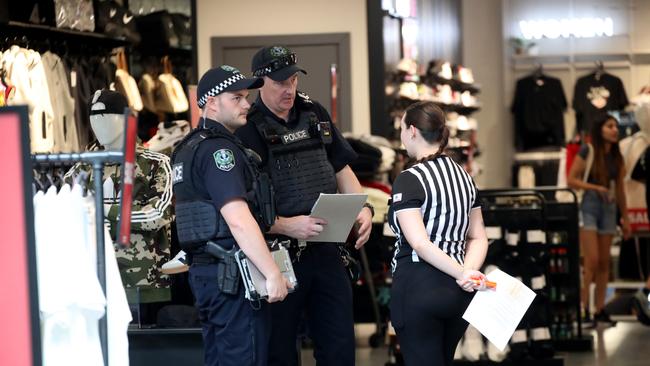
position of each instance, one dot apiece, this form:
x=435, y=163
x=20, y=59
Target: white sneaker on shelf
x=168, y=137
x=494, y=354
x=445, y=71
x=177, y=265
x=465, y=75
x=409, y=90
x=472, y=345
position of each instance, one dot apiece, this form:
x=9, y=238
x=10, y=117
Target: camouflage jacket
x=140, y=264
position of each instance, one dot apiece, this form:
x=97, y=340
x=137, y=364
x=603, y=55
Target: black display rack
x=557, y=255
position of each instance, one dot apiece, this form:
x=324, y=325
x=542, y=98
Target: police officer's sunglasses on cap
x=275, y=65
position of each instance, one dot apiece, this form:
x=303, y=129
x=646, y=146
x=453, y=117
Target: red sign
x=195, y=111
x=128, y=175
x=638, y=219
x=20, y=330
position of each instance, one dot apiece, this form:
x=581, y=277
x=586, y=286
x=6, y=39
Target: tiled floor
x=626, y=344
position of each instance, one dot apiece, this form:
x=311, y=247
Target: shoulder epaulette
x=304, y=98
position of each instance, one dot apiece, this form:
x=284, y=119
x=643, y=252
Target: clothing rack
x=98, y=159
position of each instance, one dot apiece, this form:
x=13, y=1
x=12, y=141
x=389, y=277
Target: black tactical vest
x=297, y=159
x=197, y=220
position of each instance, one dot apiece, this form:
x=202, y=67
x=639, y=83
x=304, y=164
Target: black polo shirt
x=220, y=168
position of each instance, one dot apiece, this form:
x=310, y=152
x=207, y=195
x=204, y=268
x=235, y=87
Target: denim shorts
x=596, y=214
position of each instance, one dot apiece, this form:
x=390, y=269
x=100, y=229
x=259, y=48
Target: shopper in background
x=305, y=155
x=603, y=191
x=441, y=242
x=215, y=185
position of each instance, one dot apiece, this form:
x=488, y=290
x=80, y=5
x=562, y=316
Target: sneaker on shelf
x=409, y=90
x=602, y=317
x=472, y=346
x=445, y=71
x=177, y=265
x=168, y=137
x=465, y=75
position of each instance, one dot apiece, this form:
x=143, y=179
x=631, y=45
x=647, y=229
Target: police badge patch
x=229, y=68
x=278, y=51
x=224, y=159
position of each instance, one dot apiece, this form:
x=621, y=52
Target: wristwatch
x=371, y=207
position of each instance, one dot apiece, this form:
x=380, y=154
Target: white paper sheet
x=340, y=211
x=496, y=314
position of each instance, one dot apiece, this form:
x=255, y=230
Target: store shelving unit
x=45, y=32
x=546, y=257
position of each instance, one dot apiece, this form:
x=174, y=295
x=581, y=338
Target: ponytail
x=442, y=145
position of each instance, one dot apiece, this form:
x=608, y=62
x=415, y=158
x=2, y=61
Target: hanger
x=539, y=71
x=3, y=75
x=38, y=185
x=600, y=69
x=166, y=65
x=538, y=74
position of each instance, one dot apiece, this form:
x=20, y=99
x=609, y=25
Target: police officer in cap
x=219, y=209
x=305, y=155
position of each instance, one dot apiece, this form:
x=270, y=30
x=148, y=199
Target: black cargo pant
x=234, y=333
x=324, y=295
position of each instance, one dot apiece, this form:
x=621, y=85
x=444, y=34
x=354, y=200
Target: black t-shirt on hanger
x=594, y=96
x=539, y=106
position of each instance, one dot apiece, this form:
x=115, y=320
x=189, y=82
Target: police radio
x=266, y=200
x=271, y=136
x=321, y=129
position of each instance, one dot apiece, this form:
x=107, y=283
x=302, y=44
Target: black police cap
x=222, y=79
x=276, y=62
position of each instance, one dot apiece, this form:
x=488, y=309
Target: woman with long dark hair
x=601, y=163
x=441, y=242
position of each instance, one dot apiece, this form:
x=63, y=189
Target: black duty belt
x=203, y=259
x=296, y=244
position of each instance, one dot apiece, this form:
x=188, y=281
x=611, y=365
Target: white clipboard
x=340, y=210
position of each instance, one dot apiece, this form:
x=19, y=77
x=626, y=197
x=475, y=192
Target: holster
x=351, y=264
x=228, y=277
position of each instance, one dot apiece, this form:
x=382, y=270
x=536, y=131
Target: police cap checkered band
x=221, y=79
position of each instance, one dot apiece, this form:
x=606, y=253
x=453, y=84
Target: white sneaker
x=494, y=354
x=168, y=137
x=472, y=345
x=177, y=265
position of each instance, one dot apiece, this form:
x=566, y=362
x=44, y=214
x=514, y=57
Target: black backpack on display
x=28, y=11
x=116, y=21
x=158, y=30
x=183, y=29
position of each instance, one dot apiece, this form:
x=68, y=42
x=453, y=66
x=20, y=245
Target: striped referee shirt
x=445, y=194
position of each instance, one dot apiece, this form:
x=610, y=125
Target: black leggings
x=426, y=310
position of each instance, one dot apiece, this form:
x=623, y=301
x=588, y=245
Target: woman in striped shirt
x=441, y=242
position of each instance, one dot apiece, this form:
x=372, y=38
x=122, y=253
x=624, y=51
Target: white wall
x=279, y=17
x=487, y=24
x=625, y=55
x=483, y=52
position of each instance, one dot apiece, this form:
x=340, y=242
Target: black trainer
x=603, y=317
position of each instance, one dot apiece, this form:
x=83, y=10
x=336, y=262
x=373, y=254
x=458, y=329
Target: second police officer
x=222, y=204
x=305, y=155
